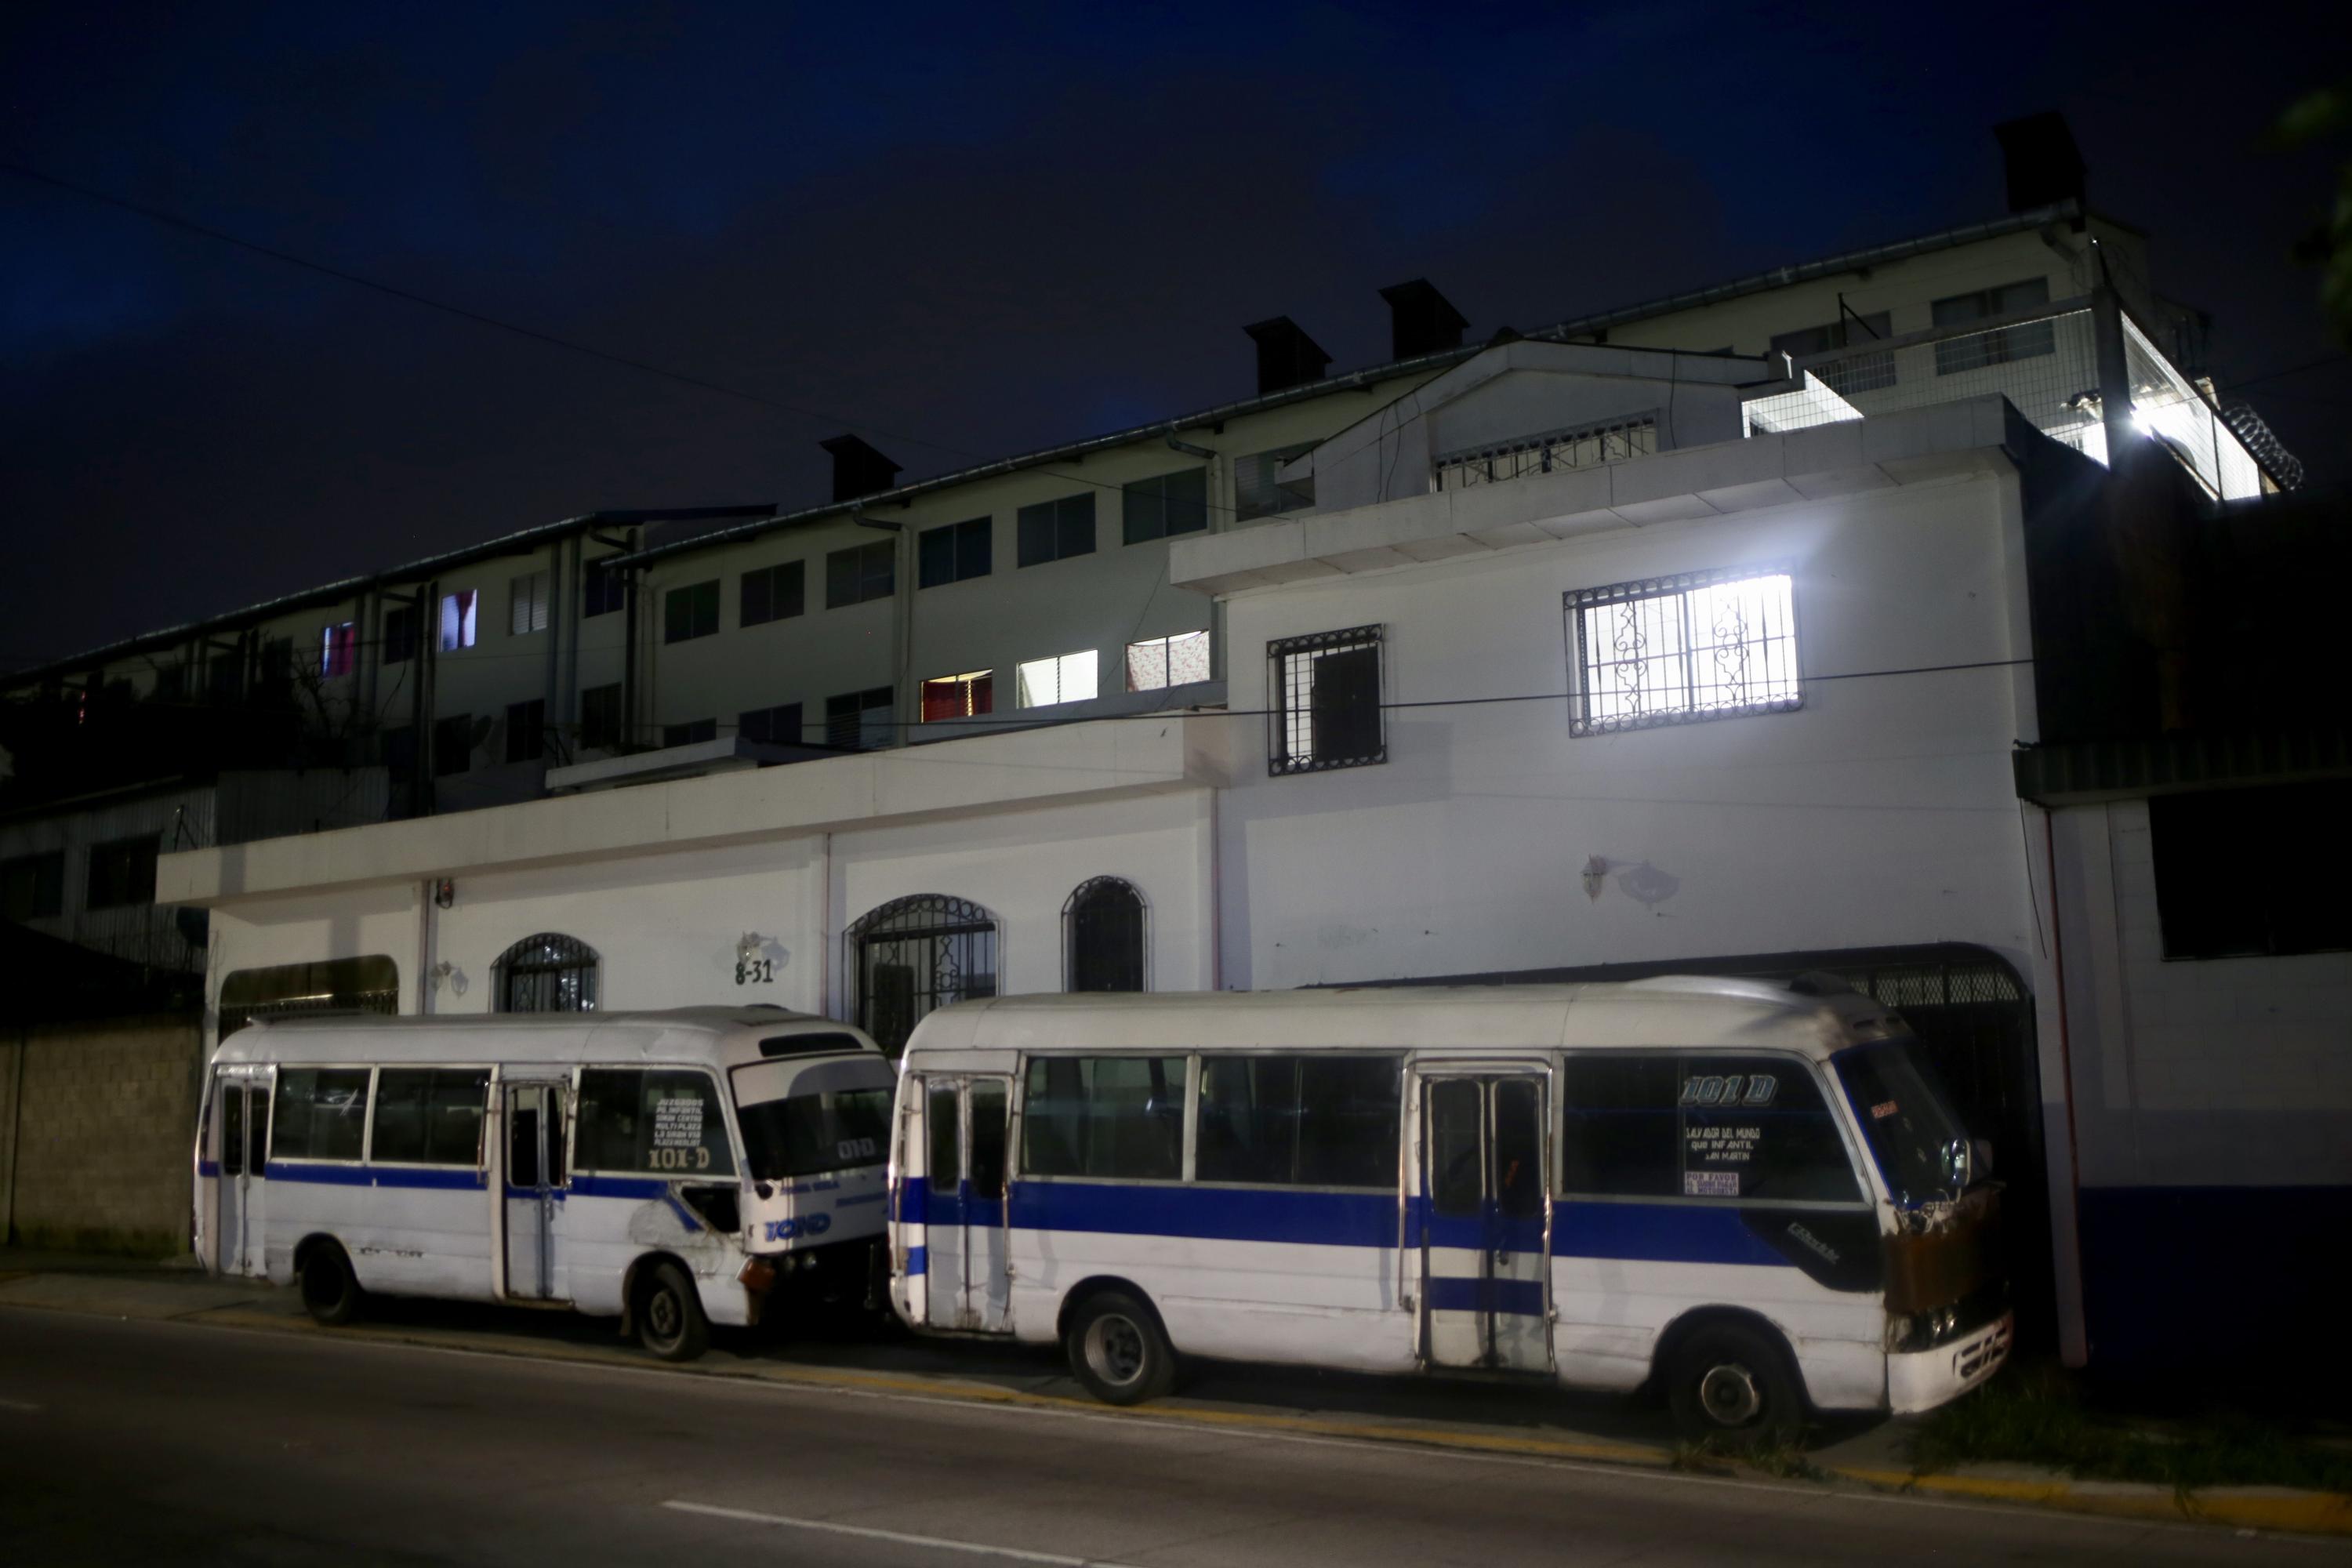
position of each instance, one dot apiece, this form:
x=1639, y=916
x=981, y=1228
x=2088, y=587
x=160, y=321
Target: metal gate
x=918, y=954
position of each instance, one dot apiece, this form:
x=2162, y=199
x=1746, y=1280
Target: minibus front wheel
x=1731, y=1384
x=1119, y=1350
x=669, y=1314
x=329, y=1291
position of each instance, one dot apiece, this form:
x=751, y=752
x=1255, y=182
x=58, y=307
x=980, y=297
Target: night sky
x=959, y=234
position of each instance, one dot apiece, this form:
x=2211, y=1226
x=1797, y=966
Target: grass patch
x=1716, y=1456
x=2037, y=1415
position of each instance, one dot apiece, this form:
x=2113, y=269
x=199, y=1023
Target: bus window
x=665, y=1121
x=1911, y=1131
x=1120, y=1117
x=1701, y=1126
x=806, y=1121
x=1316, y=1121
x=988, y=1095
x=1457, y=1182
x=1518, y=1147
x=321, y=1113
x=430, y=1116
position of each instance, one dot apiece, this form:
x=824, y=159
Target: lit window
x=336, y=645
x=457, y=628
x=1326, y=711
x=526, y=604
x=1069, y=679
x=1668, y=650
x=1158, y=663
x=959, y=695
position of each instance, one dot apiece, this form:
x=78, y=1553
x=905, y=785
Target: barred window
x=1326, y=708
x=547, y=973
x=1102, y=927
x=1558, y=453
x=1668, y=650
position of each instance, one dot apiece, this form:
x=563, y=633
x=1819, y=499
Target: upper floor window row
x=690, y=612
x=1058, y=529
x=1977, y=350
x=1165, y=505
x=773, y=593
x=955, y=552
x=861, y=573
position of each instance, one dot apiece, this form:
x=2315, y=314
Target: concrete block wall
x=97, y=1123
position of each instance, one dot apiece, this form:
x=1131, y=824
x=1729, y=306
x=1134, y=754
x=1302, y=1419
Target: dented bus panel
x=673, y=1170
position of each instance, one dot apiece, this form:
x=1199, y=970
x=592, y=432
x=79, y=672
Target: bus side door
x=967, y=1280
x=1486, y=1219
x=241, y=1112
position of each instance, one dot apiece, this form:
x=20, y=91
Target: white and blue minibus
x=674, y=1169
x=1754, y=1199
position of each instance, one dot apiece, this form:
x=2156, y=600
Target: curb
x=2245, y=1508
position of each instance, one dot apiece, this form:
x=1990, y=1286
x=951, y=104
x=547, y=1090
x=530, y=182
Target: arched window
x=1102, y=937
x=547, y=973
x=917, y=953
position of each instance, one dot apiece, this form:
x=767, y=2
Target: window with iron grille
x=600, y=716
x=122, y=872
x=546, y=973
x=527, y=604
x=775, y=593
x=860, y=574
x=690, y=612
x=915, y=954
x=1668, y=650
x=33, y=887
x=1861, y=371
x=955, y=552
x=1255, y=491
x=860, y=720
x=693, y=732
x=1977, y=350
x=1165, y=504
x=777, y=726
x=526, y=730
x=1582, y=448
x=604, y=590
x=400, y=634
x=1102, y=936
x=1058, y=529
x=1326, y=708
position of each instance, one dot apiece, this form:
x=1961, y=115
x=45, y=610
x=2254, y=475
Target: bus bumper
x=1921, y=1379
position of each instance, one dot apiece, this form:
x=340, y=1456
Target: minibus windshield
x=1918, y=1142
x=805, y=1122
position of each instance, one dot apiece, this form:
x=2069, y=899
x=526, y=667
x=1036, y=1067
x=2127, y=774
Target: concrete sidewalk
x=1489, y=1418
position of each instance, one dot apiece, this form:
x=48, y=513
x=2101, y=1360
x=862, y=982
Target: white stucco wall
x=1881, y=812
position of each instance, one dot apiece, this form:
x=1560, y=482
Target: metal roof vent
x=1420, y=319
x=857, y=468
x=1286, y=356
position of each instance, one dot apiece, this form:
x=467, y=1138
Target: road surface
x=143, y=1442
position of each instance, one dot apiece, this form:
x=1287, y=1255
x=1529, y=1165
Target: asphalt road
x=147, y=1442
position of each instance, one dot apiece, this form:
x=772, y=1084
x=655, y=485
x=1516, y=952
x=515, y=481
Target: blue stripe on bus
x=918, y=1260
x=1648, y=1233
x=455, y=1179
x=636, y=1187
x=1515, y=1297
x=208, y=1167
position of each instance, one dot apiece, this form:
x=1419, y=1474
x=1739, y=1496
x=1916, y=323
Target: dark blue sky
x=960, y=232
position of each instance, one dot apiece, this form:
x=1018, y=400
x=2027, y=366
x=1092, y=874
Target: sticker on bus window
x=678, y=1123
x=1730, y=1090
x=1881, y=1110
x=1710, y=1183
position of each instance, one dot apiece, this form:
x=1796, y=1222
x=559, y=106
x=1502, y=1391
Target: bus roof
x=1672, y=1010
x=720, y=1036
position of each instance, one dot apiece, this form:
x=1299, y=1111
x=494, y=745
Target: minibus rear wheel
x=1119, y=1350
x=329, y=1291
x=1731, y=1384
x=669, y=1315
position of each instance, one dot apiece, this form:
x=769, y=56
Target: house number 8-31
x=754, y=971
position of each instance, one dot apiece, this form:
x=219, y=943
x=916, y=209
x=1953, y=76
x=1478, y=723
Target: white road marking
x=25, y=1406
x=523, y=1360
x=899, y=1537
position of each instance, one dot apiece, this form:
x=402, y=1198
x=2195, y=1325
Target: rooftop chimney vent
x=1286, y=356
x=857, y=468
x=1420, y=319
x=2043, y=164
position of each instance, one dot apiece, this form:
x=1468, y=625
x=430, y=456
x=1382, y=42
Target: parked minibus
x=674, y=1169
x=1755, y=1199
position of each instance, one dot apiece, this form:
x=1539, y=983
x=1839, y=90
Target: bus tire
x=670, y=1322
x=1731, y=1384
x=331, y=1292
x=1117, y=1349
